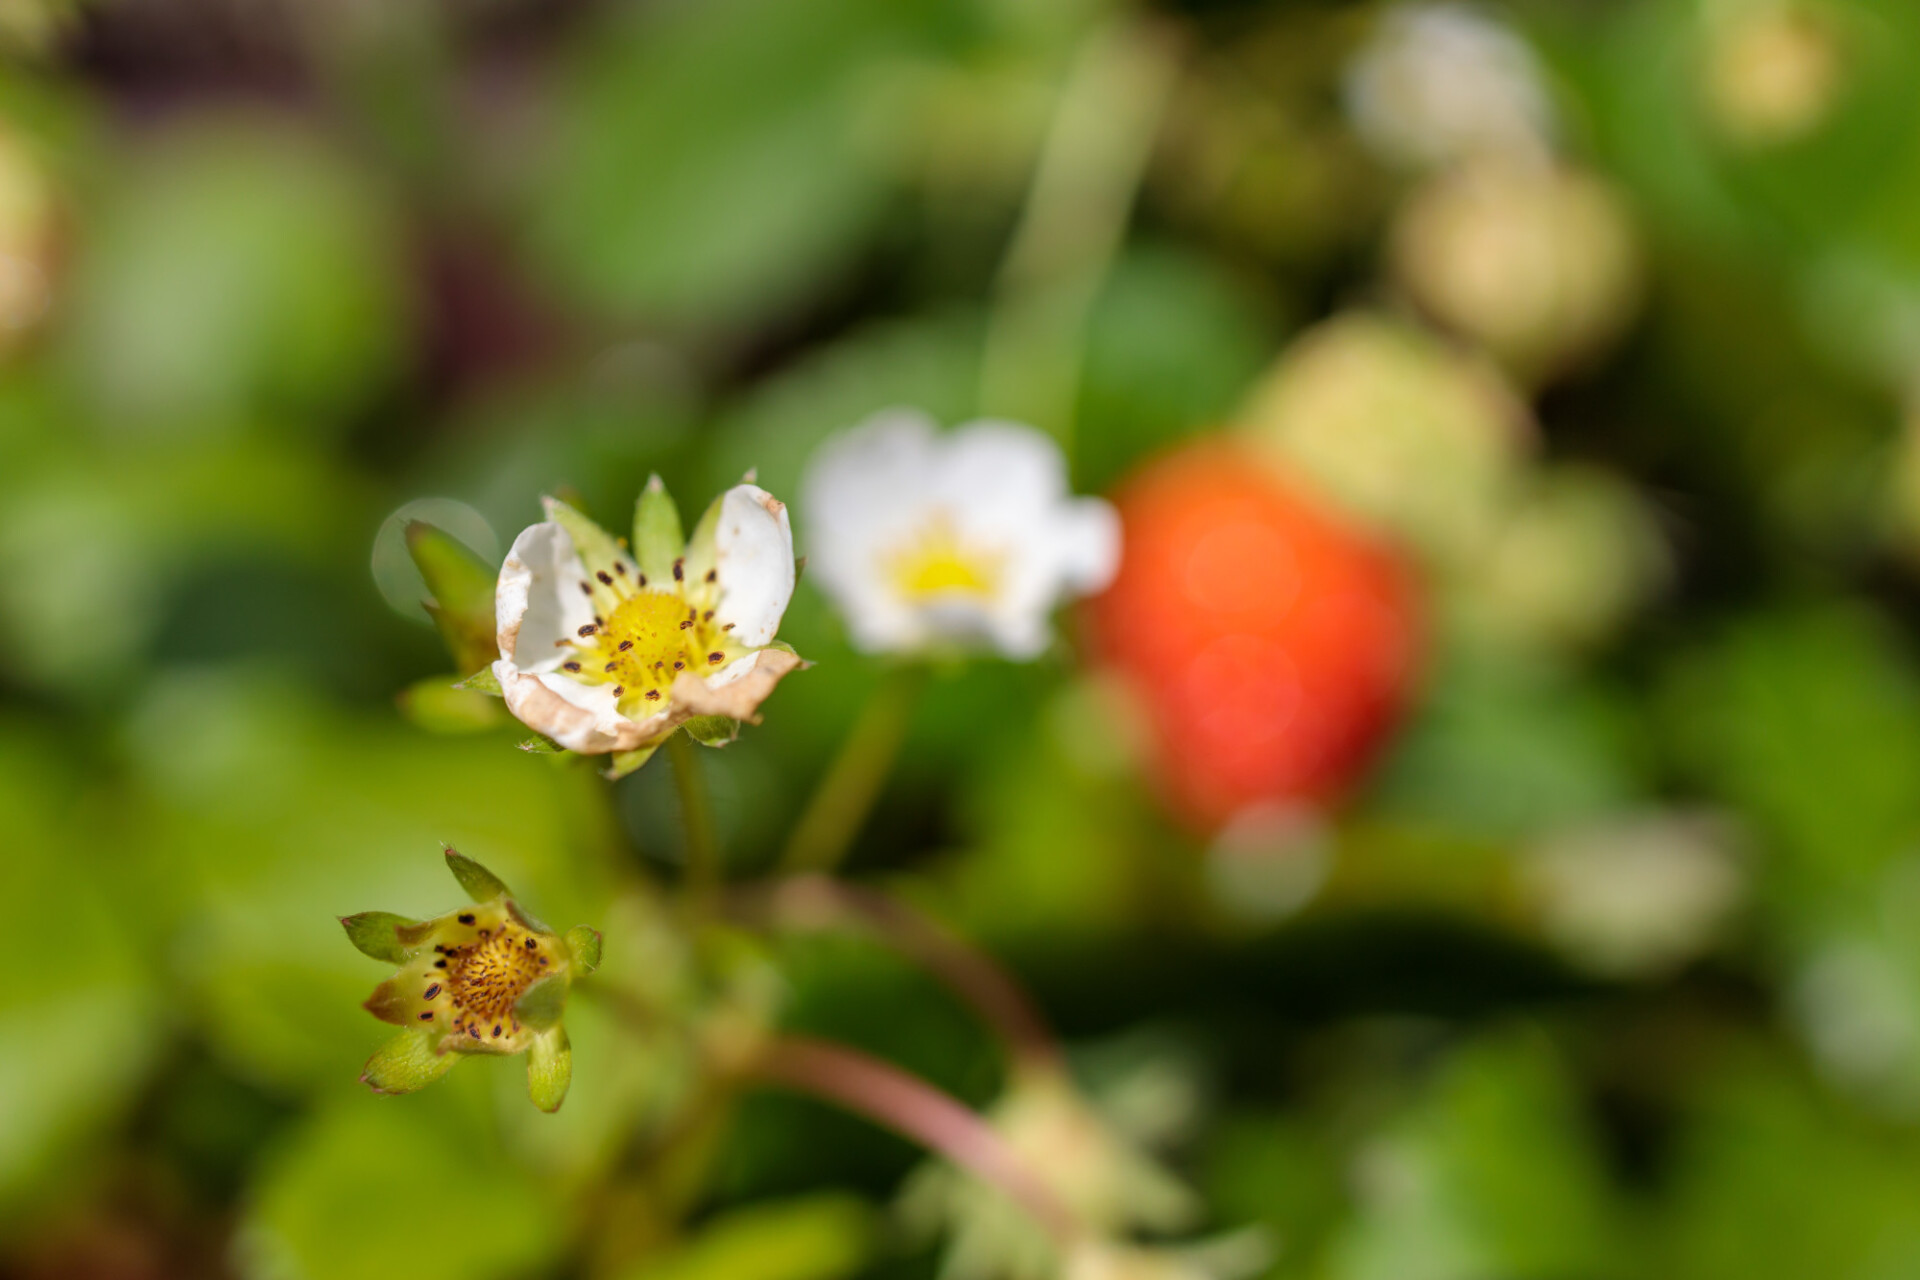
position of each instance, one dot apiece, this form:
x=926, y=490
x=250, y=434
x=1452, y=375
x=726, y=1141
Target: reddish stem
x=970, y=973
x=914, y=1109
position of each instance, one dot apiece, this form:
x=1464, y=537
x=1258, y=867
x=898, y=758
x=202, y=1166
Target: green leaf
x=438, y=705
x=405, y=1063
x=542, y=1005
x=376, y=934
x=625, y=762
x=713, y=731
x=481, y=884
x=585, y=944
x=549, y=1069
x=482, y=681
x=657, y=538
x=596, y=547
x=826, y=1236
x=527, y=919
x=541, y=745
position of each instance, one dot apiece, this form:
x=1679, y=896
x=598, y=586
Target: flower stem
x=846, y=794
x=895, y=1100
x=703, y=872
x=1074, y=220
x=817, y=901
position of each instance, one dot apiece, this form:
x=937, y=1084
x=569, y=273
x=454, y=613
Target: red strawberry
x=1271, y=643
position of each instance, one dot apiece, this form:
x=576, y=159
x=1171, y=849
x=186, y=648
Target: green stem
x=703, y=871
x=820, y=839
x=1074, y=220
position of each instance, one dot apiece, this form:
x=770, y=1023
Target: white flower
x=604, y=650
x=924, y=539
x=1439, y=82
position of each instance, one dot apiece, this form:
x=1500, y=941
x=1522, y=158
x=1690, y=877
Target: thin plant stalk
x=703, y=870
x=914, y=1109
x=840, y=805
x=981, y=982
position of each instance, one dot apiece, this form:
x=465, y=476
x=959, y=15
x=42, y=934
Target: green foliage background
x=314, y=266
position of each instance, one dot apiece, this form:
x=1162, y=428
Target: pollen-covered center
x=478, y=982
x=643, y=637
x=938, y=563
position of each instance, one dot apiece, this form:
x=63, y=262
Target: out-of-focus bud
x=1099, y=1173
x=1438, y=83
x=28, y=212
x=1637, y=895
x=1773, y=70
x=1535, y=262
x=1569, y=562
x=1410, y=436
x=1269, y=643
x=1243, y=1253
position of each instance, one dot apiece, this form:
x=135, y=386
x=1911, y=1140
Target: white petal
x=998, y=473
x=754, y=559
x=537, y=602
x=1087, y=542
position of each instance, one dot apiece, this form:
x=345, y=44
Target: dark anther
x=610, y=666
x=619, y=689
x=439, y=964
x=707, y=616
x=716, y=657
x=712, y=574
x=433, y=991
x=686, y=624
x=496, y=1031
x=643, y=579
x=570, y=666
x=679, y=570
x=620, y=567
x=625, y=645
x=653, y=695
x=467, y=918
x=427, y=1016
x=728, y=627
x=586, y=588
x=588, y=629
x=606, y=579
x=532, y=945
x=677, y=664
x=474, y=1032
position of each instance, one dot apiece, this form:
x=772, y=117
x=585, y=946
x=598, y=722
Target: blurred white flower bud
x=1535, y=262
x=1772, y=70
x=1441, y=82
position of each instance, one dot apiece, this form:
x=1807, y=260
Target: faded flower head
x=1440, y=82
x=604, y=650
x=928, y=540
x=489, y=978
x=1100, y=1173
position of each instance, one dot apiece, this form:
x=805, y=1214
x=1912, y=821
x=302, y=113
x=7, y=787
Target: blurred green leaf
x=820, y=1237
x=376, y=934
x=439, y=705
x=657, y=539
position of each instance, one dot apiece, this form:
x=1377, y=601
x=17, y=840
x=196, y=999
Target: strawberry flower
x=606, y=650
x=489, y=978
x=927, y=540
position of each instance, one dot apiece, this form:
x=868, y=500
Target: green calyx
x=486, y=979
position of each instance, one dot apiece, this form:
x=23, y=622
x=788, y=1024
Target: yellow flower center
x=938, y=563
x=643, y=637
x=479, y=974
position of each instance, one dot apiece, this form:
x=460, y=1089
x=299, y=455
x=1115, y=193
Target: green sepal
x=391, y=1002
x=712, y=731
x=623, y=763
x=481, y=884
x=596, y=547
x=542, y=1005
x=405, y=1063
x=377, y=934
x=482, y=681
x=657, y=539
x=541, y=745
x=585, y=946
x=439, y=705
x=549, y=1069
x=703, y=548
x=462, y=584
x=783, y=647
